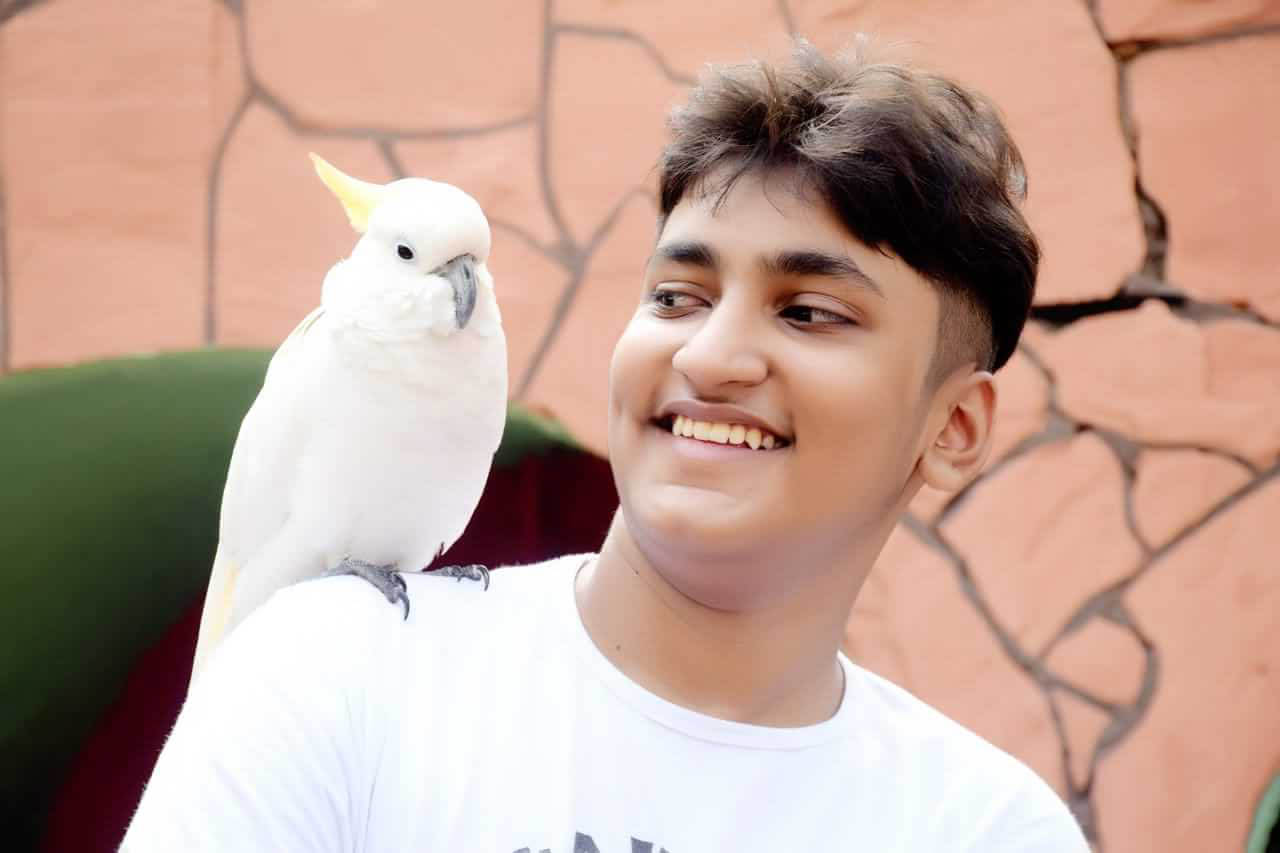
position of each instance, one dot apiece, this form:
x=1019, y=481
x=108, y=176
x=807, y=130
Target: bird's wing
x=269, y=447
x=217, y=607
x=257, y=498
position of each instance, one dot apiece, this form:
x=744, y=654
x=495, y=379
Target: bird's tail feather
x=217, y=609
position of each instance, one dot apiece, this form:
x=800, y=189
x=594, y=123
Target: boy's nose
x=724, y=349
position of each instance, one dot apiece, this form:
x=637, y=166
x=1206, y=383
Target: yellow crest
x=358, y=198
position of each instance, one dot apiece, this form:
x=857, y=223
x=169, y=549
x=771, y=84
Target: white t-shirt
x=489, y=721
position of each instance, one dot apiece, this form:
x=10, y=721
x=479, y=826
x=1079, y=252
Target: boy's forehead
x=756, y=211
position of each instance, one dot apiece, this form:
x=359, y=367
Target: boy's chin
x=680, y=524
x=740, y=565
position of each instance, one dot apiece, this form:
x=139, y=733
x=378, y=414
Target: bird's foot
x=384, y=578
x=473, y=572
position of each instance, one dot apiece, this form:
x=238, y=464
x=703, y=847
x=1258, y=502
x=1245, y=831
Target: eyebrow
x=688, y=252
x=799, y=263
x=820, y=264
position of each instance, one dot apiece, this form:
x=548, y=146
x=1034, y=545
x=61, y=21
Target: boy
x=840, y=266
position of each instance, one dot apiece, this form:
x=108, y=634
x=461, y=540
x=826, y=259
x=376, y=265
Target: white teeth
x=723, y=433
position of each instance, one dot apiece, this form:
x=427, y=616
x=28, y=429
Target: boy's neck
x=775, y=666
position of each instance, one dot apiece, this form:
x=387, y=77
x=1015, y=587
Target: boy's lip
x=718, y=412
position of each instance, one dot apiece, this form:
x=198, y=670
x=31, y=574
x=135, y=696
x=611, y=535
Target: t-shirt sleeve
x=1038, y=822
x=268, y=750
x=1051, y=834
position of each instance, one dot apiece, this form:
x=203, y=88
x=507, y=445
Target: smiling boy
x=840, y=267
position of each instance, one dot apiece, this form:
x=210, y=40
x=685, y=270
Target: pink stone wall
x=1104, y=602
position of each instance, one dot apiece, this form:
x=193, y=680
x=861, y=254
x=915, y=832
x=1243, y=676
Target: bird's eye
x=404, y=251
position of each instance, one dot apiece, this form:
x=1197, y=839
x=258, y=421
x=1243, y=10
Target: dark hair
x=908, y=161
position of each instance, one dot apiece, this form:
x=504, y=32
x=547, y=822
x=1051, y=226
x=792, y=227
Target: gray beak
x=461, y=274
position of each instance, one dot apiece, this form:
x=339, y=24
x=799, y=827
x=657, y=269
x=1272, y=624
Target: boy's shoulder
x=346, y=610
x=514, y=592
x=964, y=770
x=430, y=595
x=903, y=718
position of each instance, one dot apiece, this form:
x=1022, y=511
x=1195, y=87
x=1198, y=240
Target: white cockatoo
x=368, y=447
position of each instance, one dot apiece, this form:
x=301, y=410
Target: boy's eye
x=670, y=301
x=808, y=315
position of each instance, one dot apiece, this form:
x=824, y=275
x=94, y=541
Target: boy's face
x=766, y=313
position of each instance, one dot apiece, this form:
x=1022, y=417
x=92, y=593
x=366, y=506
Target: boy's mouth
x=721, y=432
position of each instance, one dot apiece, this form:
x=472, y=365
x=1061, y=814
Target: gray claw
x=384, y=578
x=473, y=572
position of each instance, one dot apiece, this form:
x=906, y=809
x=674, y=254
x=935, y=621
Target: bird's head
x=422, y=259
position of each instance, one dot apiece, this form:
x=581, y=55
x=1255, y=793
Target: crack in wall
x=932, y=537
x=1138, y=290
x=788, y=17
x=1128, y=49
x=526, y=237
x=1122, y=719
x=1208, y=312
x=565, y=304
x=565, y=242
x=1209, y=515
x=1127, y=717
x=1151, y=280
x=1248, y=465
x=1057, y=315
x=1060, y=731
x=1155, y=224
x=620, y=34
x=304, y=127
x=391, y=158
x=1113, y=594
x=211, y=218
x=566, y=250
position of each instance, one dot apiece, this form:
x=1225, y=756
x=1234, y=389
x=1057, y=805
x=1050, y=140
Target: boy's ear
x=965, y=415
